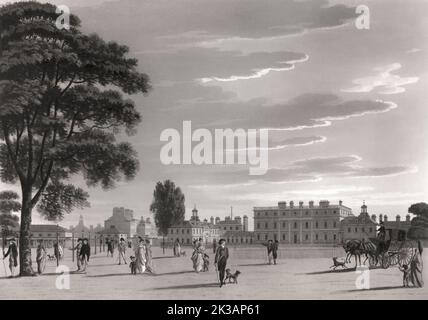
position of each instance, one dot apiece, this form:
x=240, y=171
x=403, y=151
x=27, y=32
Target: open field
x=302, y=273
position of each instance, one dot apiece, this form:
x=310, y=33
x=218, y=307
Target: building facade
x=146, y=228
x=300, y=224
x=193, y=229
x=123, y=220
x=359, y=227
x=48, y=235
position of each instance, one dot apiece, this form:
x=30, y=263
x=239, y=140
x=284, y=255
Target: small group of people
x=83, y=253
x=200, y=258
x=272, y=251
x=142, y=261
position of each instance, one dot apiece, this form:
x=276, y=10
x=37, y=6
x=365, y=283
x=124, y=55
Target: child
x=133, y=265
x=406, y=274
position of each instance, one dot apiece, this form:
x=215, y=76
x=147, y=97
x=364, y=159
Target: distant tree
x=8, y=221
x=167, y=205
x=419, y=224
x=61, y=107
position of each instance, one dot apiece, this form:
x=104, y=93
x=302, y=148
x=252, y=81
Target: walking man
x=85, y=253
x=78, y=248
x=12, y=252
x=275, y=251
x=122, y=249
x=221, y=256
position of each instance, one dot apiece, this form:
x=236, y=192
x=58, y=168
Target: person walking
x=140, y=255
x=12, y=252
x=85, y=253
x=122, y=250
x=177, y=248
x=220, y=261
x=41, y=257
x=416, y=267
x=269, y=247
x=109, y=247
x=214, y=246
x=149, y=260
x=78, y=248
x=275, y=248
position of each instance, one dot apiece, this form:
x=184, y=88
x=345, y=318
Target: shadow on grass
x=190, y=286
x=163, y=257
x=253, y=264
x=330, y=271
x=173, y=273
x=378, y=289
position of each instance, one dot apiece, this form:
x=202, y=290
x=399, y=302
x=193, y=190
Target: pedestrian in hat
x=78, y=247
x=85, y=253
x=41, y=257
x=12, y=252
x=122, y=250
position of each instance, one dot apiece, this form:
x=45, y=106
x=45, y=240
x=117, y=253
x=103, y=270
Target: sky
x=345, y=107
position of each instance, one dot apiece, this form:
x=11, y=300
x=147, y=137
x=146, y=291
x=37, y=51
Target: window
x=307, y=212
x=258, y=213
x=325, y=224
x=274, y=225
x=49, y=234
x=306, y=225
x=231, y=228
x=295, y=213
x=225, y=228
x=334, y=211
x=306, y=237
x=266, y=236
x=283, y=224
x=275, y=213
x=356, y=229
x=363, y=229
x=283, y=213
x=334, y=237
x=258, y=237
x=188, y=231
x=295, y=225
x=266, y=213
x=349, y=230
x=334, y=224
x=325, y=237
x=266, y=225
x=182, y=231
x=371, y=229
x=316, y=236
x=258, y=225
x=236, y=228
x=316, y=212
x=188, y=240
x=283, y=236
x=316, y=225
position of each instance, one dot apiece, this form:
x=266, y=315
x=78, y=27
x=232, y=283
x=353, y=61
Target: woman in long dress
x=416, y=267
x=198, y=257
x=149, y=261
x=177, y=248
x=140, y=255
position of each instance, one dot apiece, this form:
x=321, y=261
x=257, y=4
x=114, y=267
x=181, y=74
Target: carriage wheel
x=405, y=256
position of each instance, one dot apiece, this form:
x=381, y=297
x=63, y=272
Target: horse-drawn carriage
x=394, y=249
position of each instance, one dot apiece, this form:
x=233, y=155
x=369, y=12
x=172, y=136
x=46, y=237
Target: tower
x=364, y=208
x=245, y=226
x=195, y=214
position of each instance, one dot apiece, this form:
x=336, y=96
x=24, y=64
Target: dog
x=51, y=257
x=338, y=263
x=232, y=277
x=183, y=253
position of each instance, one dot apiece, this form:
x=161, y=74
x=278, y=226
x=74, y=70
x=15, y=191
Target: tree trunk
x=25, y=263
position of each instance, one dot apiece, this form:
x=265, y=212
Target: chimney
x=300, y=204
x=374, y=217
x=217, y=220
x=340, y=202
x=408, y=218
x=212, y=220
x=398, y=218
x=291, y=204
x=380, y=218
x=282, y=204
x=311, y=204
x=385, y=218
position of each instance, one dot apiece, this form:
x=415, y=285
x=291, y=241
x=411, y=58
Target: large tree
x=419, y=224
x=167, y=205
x=62, y=105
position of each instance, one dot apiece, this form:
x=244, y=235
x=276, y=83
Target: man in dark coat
x=12, y=252
x=275, y=251
x=220, y=261
x=85, y=253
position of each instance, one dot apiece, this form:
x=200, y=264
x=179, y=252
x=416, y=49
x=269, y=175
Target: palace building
x=300, y=224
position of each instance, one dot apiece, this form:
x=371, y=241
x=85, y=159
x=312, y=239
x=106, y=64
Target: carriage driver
x=381, y=232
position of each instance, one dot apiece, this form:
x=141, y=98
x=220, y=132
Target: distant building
x=300, y=224
x=239, y=237
x=49, y=234
x=123, y=220
x=80, y=230
x=193, y=229
x=111, y=233
x=359, y=227
x=146, y=228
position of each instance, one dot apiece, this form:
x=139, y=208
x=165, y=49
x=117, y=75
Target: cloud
x=384, y=81
x=258, y=73
x=413, y=50
x=208, y=64
x=310, y=110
